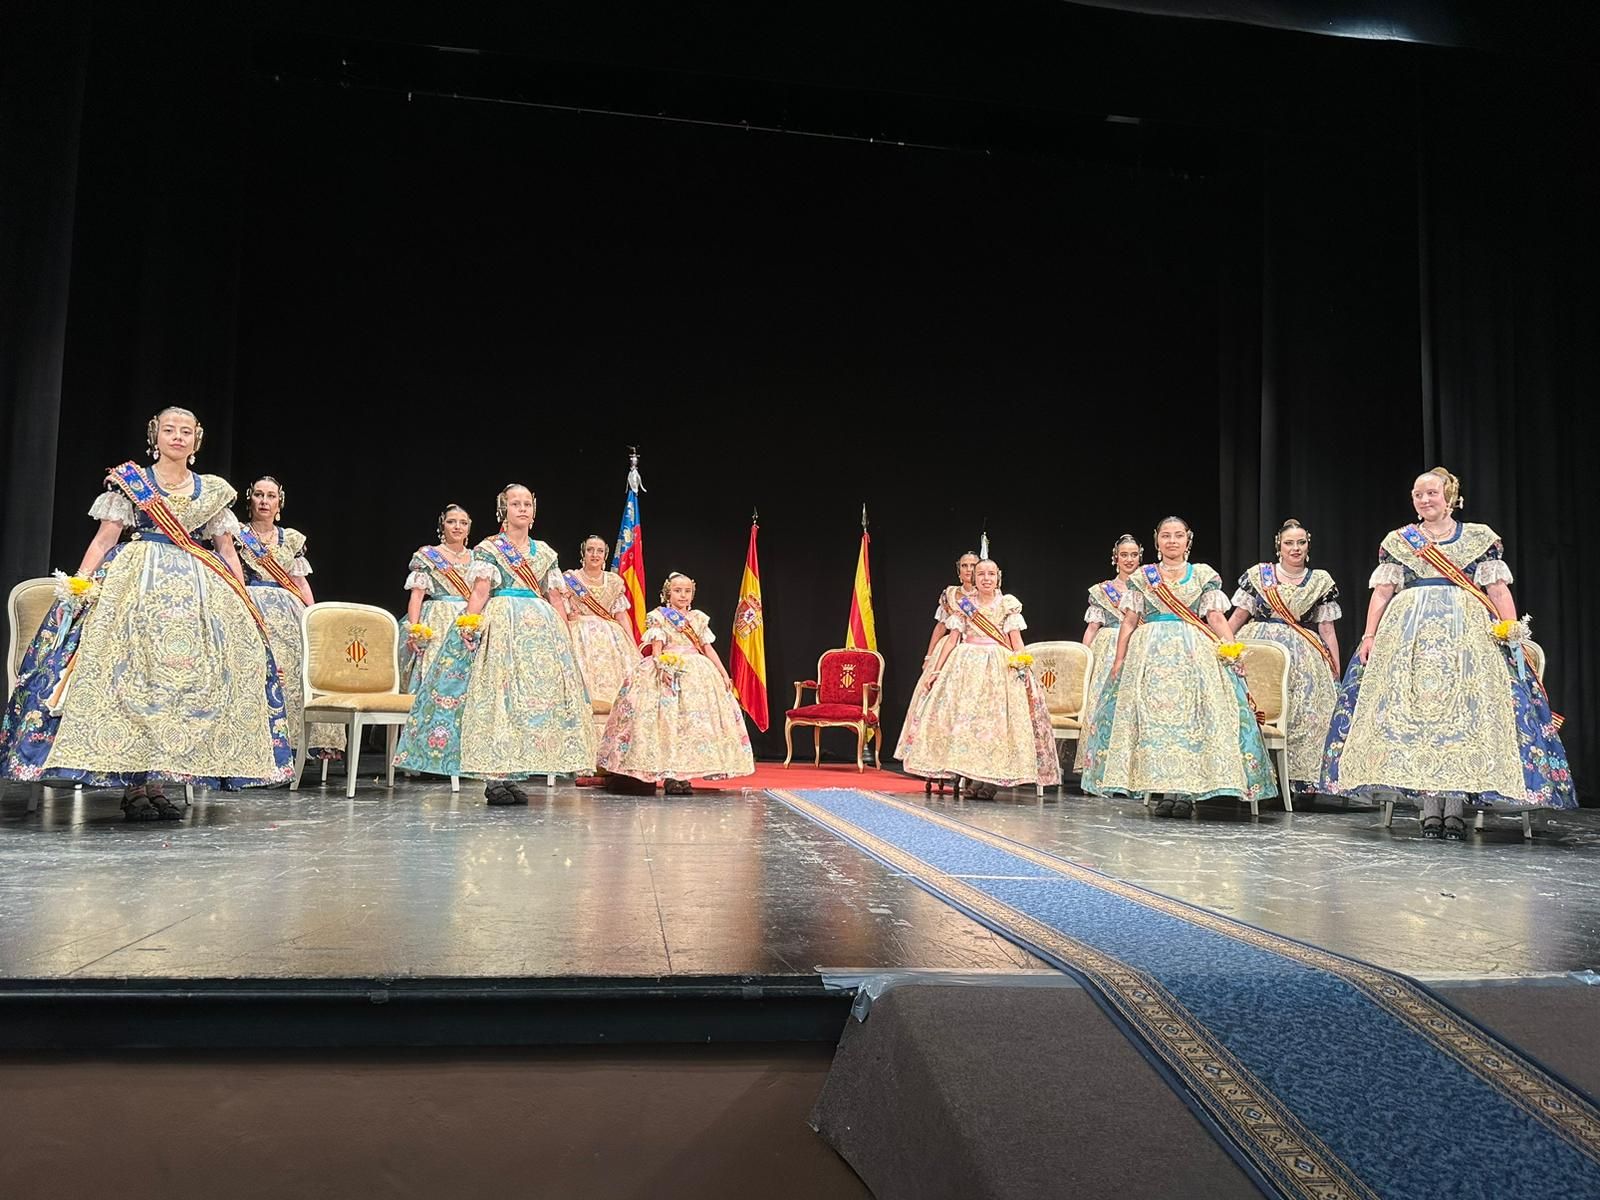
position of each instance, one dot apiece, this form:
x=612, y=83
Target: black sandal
x=502, y=792
x=1455, y=829
x=1433, y=828
x=1182, y=808
x=136, y=805
x=1163, y=807
x=166, y=810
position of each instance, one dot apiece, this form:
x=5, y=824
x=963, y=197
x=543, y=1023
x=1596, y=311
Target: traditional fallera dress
x=1177, y=719
x=271, y=569
x=446, y=592
x=515, y=707
x=676, y=719
x=948, y=606
x=1288, y=614
x=983, y=720
x=1442, y=708
x=1105, y=610
x=603, y=646
x=165, y=672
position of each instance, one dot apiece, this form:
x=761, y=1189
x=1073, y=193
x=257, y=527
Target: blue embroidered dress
x=1442, y=708
x=171, y=678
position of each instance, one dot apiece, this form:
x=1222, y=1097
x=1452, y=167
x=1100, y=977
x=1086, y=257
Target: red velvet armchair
x=849, y=689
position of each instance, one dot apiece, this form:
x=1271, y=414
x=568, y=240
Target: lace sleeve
x=480, y=569
x=418, y=579
x=1212, y=600
x=653, y=631
x=300, y=568
x=554, y=581
x=1328, y=610
x=1492, y=570
x=223, y=523
x=621, y=604
x=114, y=506
x=1388, y=574
x=1095, y=615
x=1245, y=599
x=1132, y=602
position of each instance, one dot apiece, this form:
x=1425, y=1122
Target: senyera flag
x=748, y=658
x=628, y=558
x=863, y=631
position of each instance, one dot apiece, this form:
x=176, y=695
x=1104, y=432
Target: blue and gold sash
x=265, y=559
x=584, y=594
x=1168, y=599
x=1272, y=593
x=447, y=571
x=682, y=625
x=519, y=564
x=976, y=616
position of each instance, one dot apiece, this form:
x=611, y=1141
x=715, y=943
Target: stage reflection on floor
x=586, y=883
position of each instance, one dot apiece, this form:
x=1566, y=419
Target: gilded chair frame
x=866, y=730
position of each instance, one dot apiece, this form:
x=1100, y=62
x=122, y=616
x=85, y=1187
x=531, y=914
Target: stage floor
x=420, y=883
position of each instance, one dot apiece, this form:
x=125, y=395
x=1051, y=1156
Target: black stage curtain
x=1311, y=268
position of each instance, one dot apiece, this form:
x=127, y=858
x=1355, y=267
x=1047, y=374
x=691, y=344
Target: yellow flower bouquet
x=670, y=665
x=470, y=622
x=73, y=589
x=1230, y=652
x=669, y=659
x=1513, y=632
x=419, y=631
x=1020, y=662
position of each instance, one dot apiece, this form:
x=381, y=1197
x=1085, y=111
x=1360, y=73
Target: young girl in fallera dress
x=675, y=717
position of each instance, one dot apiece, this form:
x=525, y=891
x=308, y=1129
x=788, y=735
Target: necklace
x=455, y=556
x=1283, y=574
x=1177, y=568
x=595, y=579
x=175, y=484
x=1440, y=535
x=271, y=528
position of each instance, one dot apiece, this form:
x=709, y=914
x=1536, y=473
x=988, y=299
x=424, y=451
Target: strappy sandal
x=1455, y=829
x=136, y=805
x=1163, y=807
x=166, y=810
x=1182, y=808
x=1432, y=828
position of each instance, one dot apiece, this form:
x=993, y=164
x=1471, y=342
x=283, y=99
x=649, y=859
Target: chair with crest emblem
x=1062, y=671
x=847, y=691
x=352, y=678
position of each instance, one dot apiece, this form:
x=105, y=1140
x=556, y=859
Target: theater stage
x=419, y=916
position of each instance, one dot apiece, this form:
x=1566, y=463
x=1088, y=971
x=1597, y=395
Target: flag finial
x=863, y=515
x=983, y=540
x=635, y=484
x=755, y=517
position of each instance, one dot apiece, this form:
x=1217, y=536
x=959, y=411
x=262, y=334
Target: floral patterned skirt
x=604, y=651
x=1104, y=650
x=676, y=723
x=983, y=720
x=1442, y=709
x=1175, y=721
x=1313, y=692
x=440, y=616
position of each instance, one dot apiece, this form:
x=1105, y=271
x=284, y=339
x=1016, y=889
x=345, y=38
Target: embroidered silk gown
x=1313, y=690
x=676, y=721
x=1441, y=708
x=515, y=707
x=172, y=679
x=983, y=720
x=281, y=609
x=441, y=605
x=1105, y=609
x=604, y=648
x=1176, y=720
x=949, y=600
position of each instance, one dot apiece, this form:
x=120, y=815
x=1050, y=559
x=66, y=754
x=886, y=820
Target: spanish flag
x=863, y=631
x=749, y=655
x=628, y=559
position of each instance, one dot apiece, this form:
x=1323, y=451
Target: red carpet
x=831, y=775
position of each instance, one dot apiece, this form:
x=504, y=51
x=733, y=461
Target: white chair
x=1266, y=675
x=26, y=608
x=1536, y=660
x=1062, y=671
x=351, y=662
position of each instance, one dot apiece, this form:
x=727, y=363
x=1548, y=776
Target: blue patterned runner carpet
x=1324, y=1077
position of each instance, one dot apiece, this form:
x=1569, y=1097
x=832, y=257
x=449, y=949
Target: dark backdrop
x=906, y=262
